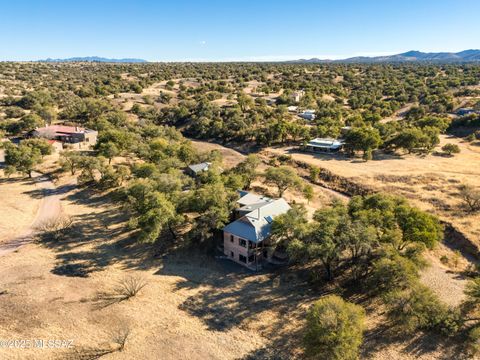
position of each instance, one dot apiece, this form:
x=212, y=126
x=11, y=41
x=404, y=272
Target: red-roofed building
x=67, y=134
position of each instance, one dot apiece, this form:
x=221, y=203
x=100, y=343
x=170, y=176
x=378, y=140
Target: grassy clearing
x=18, y=206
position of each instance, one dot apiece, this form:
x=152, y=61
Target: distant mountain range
x=410, y=56
x=94, y=59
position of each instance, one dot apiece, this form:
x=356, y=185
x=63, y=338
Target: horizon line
x=259, y=58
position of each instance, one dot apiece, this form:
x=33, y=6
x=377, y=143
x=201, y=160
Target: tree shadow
x=41, y=193
x=417, y=345
x=96, y=240
x=229, y=296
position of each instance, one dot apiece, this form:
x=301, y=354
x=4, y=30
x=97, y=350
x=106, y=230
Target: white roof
x=326, y=142
x=251, y=199
x=256, y=225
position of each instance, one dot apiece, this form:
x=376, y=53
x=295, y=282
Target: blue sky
x=246, y=30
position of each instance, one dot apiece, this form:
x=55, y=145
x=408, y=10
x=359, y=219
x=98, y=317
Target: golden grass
x=17, y=206
x=429, y=182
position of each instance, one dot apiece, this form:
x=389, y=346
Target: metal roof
x=196, y=168
x=257, y=224
x=326, y=143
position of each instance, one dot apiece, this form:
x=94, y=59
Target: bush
x=474, y=340
x=390, y=274
x=444, y=259
x=334, y=329
x=55, y=228
x=418, y=308
x=471, y=197
x=450, y=149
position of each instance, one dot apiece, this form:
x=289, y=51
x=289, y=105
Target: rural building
x=73, y=135
x=297, y=95
x=465, y=111
x=292, y=109
x=271, y=101
x=56, y=145
x=324, y=145
x=307, y=114
x=196, y=169
x=246, y=240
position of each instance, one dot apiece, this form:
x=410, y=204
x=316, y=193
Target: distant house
x=271, y=101
x=196, y=169
x=324, y=145
x=297, y=95
x=76, y=136
x=465, y=111
x=246, y=240
x=292, y=109
x=307, y=114
x=56, y=145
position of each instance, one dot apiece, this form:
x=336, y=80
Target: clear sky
x=245, y=30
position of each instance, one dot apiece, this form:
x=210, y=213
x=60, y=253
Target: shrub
x=389, y=274
x=450, y=149
x=314, y=173
x=129, y=287
x=444, y=259
x=474, y=340
x=471, y=197
x=334, y=329
x=418, y=308
x=55, y=228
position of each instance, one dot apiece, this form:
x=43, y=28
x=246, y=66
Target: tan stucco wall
x=235, y=247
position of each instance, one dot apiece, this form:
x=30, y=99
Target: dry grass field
x=193, y=306
x=17, y=205
x=430, y=182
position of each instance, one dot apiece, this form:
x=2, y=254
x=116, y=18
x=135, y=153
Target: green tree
x=70, y=161
x=42, y=145
x=323, y=240
x=290, y=226
x=283, y=177
x=248, y=169
x=314, y=173
x=362, y=139
x=334, y=329
x=22, y=158
x=308, y=192
x=151, y=209
x=108, y=149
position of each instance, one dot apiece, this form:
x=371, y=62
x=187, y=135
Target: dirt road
x=50, y=207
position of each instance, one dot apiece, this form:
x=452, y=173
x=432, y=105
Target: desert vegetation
x=351, y=260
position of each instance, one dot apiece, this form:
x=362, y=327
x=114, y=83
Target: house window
x=243, y=243
x=232, y=239
x=251, y=258
x=251, y=245
x=242, y=258
x=231, y=254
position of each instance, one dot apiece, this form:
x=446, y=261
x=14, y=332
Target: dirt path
x=50, y=207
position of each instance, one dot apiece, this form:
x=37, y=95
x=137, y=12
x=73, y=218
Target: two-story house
x=246, y=240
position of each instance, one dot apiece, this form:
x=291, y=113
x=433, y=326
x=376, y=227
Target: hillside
x=409, y=56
